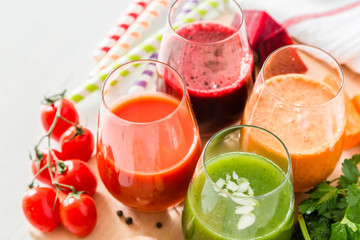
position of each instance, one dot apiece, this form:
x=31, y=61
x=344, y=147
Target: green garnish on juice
x=211, y=213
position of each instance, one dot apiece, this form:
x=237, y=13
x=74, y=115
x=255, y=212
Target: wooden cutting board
x=110, y=226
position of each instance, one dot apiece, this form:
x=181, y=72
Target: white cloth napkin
x=332, y=25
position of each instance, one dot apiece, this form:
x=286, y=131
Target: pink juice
x=217, y=66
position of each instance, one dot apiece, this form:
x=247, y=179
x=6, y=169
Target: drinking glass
x=214, y=59
x=148, y=141
x=299, y=96
x=240, y=190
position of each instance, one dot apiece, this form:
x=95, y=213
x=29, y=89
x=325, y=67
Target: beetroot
x=265, y=36
x=264, y=33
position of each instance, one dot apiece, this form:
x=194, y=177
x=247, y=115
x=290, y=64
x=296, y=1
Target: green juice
x=208, y=215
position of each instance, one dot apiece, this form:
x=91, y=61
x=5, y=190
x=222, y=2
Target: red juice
x=148, y=166
x=217, y=68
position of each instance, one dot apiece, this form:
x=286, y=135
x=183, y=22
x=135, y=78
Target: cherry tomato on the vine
x=40, y=160
x=78, y=214
x=37, y=205
x=48, y=112
x=78, y=175
x=77, y=143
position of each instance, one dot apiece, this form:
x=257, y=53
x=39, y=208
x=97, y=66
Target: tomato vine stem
x=59, y=165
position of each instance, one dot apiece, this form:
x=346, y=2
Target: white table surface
x=45, y=47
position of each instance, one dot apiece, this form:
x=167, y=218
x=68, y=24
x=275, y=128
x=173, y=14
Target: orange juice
x=296, y=108
x=150, y=166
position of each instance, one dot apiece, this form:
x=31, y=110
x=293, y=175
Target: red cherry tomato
x=79, y=147
x=48, y=112
x=37, y=205
x=40, y=161
x=78, y=175
x=78, y=214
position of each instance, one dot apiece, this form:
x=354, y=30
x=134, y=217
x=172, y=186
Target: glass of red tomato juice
x=148, y=140
x=212, y=54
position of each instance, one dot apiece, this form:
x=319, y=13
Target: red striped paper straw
x=132, y=36
x=123, y=23
x=207, y=8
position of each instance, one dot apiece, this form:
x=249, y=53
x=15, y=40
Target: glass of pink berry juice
x=214, y=59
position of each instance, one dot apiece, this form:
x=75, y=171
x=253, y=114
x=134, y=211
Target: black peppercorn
x=159, y=225
x=120, y=213
x=128, y=220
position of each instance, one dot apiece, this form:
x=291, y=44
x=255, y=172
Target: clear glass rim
x=237, y=32
x=299, y=46
x=232, y=129
x=142, y=61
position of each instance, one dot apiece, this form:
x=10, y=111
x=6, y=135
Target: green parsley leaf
x=350, y=224
x=308, y=206
x=350, y=171
x=321, y=189
x=338, y=232
x=327, y=201
x=351, y=235
x=322, y=197
x=338, y=211
x=316, y=227
x=353, y=197
x=335, y=208
x=334, y=212
x=356, y=159
x=353, y=214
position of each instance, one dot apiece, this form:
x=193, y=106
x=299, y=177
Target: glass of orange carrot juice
x=299, y=96
x=148, y=141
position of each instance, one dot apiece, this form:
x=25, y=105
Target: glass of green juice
x=240, y=189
